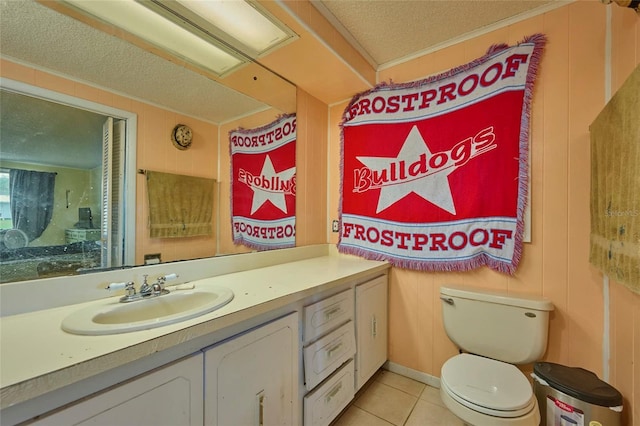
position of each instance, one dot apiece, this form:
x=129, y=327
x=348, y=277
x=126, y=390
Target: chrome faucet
x=146, y=290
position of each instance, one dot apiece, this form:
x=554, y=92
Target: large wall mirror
x=63, y=192
x=103, y=92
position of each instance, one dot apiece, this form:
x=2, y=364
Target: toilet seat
x=487, y=386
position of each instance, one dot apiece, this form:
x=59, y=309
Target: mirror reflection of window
x=61, y=184
x=31, y=201
x=5, y=207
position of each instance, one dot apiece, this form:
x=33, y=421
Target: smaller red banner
x=263, y=184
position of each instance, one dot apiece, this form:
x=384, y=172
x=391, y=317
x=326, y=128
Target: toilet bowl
x=495, y=330
x=482, y=391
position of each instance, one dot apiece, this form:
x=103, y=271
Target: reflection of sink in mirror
x=113, y=317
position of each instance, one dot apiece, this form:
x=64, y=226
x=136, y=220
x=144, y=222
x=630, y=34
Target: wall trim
x=419, y=376
x=478, y=32
x=606, y=326
x=313, y=33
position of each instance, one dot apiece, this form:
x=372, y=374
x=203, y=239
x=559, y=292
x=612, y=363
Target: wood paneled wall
x=569, y=93
x=311, y=174
x=625, y=305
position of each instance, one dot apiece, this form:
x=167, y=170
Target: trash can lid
x=579, y=383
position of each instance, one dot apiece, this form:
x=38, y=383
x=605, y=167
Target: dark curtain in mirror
x=31, y=200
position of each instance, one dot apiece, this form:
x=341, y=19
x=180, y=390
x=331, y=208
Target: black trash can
x=571, y=396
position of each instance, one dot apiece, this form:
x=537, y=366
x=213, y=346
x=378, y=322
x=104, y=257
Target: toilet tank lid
x=492, y=296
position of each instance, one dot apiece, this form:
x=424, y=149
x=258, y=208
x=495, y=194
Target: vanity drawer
x=327, y=314
x=323, y=404
x=327, y=354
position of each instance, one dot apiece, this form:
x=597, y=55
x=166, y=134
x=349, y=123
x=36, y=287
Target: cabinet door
x=371, y=328
x=171, y=395
x=252, y=379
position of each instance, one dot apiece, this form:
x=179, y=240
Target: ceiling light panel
x=182, y=41
x=240, y=20
x=244, y=25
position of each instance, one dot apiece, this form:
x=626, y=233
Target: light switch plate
x=335, y=226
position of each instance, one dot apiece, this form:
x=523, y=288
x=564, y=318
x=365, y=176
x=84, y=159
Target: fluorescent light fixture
x=174, y=36
x=247, y=23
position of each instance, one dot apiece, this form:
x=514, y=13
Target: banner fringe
x=260, y=247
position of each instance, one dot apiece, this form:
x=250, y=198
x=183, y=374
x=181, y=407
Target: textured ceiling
x=387, y=31
x=34, y=34
x=29, y=125
x=384, y=31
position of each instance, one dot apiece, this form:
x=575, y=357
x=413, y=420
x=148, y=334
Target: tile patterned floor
x=391, y=399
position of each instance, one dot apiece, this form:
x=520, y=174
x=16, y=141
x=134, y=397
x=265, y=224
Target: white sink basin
x=113, y=317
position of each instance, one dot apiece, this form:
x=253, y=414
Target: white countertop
x=37, y=357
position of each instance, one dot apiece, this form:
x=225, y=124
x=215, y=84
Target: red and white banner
x=263, y=185
x=434, y=172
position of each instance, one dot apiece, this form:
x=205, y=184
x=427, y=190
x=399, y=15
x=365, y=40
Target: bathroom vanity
x=298, y=339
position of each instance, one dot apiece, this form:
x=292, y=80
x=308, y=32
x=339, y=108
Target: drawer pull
x=336, y=389
x=333, y=349
x=260, y=400
x=374, y=327
x=328, y=314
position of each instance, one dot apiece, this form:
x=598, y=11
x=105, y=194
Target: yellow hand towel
x=179, y=206
x=615, y=186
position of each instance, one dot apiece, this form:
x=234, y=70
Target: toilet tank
x=501, y=326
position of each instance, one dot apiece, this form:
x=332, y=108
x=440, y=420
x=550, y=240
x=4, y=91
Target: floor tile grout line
x=416, y=399
x=410, y=412
x=413, y=406
x=404, y=422
x=402, y=390
x=384, y=420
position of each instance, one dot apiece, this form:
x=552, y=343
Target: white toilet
x=495, y=330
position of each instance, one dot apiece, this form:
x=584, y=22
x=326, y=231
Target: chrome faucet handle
x=162, y=280
x=158, y=286
x=129, y=286
x=168, y=277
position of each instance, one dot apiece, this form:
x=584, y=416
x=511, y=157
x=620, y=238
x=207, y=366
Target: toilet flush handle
x=447, y=300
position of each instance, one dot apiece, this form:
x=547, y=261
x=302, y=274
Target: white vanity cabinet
x=171, y=395
x=282, y=354
x=371, y=328
x=252, y=379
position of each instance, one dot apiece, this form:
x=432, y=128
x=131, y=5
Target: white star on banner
x=433, y=188
x=276, y=196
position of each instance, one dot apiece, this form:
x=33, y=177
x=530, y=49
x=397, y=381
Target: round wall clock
x=182, y=136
